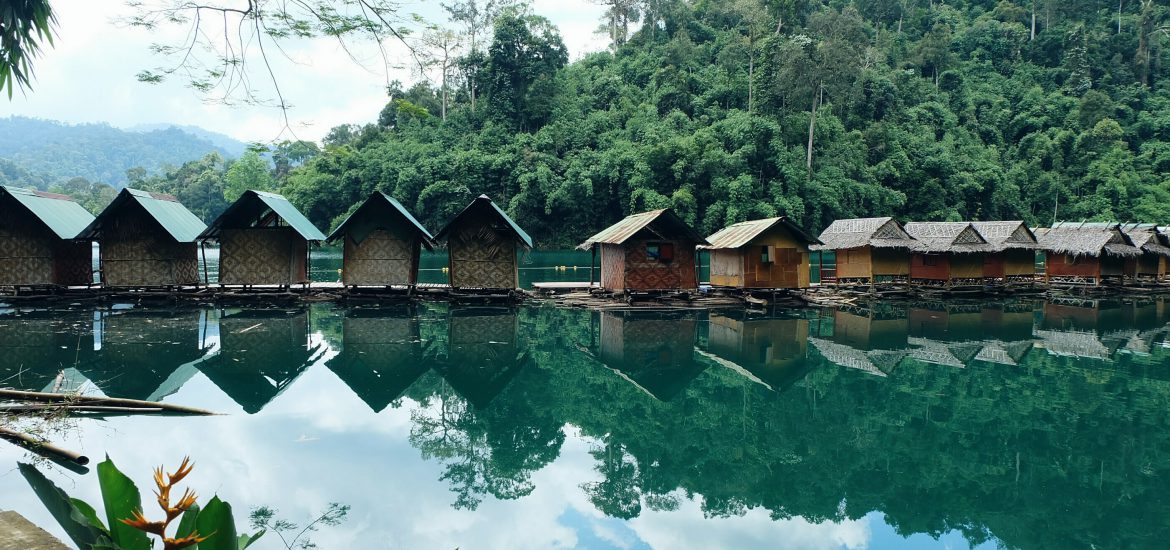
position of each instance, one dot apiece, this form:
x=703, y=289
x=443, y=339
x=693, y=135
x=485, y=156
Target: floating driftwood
x=42, y=447
x=72, y=400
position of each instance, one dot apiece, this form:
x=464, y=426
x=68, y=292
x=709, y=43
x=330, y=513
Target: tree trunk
x=1033, y=37
x=1119, y=2
x=812, y=125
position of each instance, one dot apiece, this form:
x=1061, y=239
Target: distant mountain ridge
x=39, y=153
x=233, y=146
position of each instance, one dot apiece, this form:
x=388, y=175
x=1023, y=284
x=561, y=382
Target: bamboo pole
x=42, y=447
x=17, y=395
x=78, y=408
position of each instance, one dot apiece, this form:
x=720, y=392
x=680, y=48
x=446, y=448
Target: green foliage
x=25, y=26
x=938, y=111
x=249, y=172
x=122, y=501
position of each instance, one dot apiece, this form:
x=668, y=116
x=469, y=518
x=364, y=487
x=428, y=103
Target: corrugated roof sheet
x=64, y=217
x=857, y=232
x=629, y=226
x=483, y=201
x=953, y=237
x=353, y=221
x=742, y=233
x=179, y=223
x=279, y=206
x=1087, y=239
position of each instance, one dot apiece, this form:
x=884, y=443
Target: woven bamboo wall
x=73, y=263
x=26, y=249
x=613, y=267
x=136, y=251
x=381, y=259
x=645, y=273
x=482, y=255
x=262, y=256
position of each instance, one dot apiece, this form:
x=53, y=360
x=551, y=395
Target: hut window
x=663, y=252
x=767, y=254
x=929, y=260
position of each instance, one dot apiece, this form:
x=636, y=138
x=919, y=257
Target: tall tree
x=25, y=26
x=477, y=18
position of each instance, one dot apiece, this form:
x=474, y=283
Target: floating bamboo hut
x=868, y=251
x=1012, y=251
x=481, y=246
x=771, y=253
x=1151, y=265
x=38, y=239
x=946, y=254
x=263, y=240
x=647, y=252
x=382, y=243
x=146, y=240
x=1085, y=253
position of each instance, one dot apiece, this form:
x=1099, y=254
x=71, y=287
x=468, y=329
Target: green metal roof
x=249, y=202
x=663, y=219
x=63, y=217
x=180, y=223
x=483, y=201
x=360, y=224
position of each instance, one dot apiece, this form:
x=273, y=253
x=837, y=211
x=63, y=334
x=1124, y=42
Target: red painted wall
x=941, y=271
x=1057, y=266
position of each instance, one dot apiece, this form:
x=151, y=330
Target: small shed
x=146, y=239
x=1151, y=265
x=382, y=243
x=38, y=239
x=946, y=253
x=868, y=250
x=768, y=254
x=1085, y=253
x=481, y=247
x=263, y=240
x=1012, y=250
x=645, y=252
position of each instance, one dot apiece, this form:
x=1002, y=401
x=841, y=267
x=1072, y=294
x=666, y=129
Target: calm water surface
x=1021, y=424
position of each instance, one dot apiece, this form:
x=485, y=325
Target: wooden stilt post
x=203, y=251
x=592, y=263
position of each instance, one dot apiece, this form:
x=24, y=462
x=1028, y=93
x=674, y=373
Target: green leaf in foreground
x=122, y=500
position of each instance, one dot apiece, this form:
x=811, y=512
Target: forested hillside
x=43, y=153
x=739, y=109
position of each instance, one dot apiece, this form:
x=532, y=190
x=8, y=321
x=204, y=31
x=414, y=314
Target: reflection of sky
x=319, y=443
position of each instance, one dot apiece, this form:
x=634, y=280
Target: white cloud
x=90, y=75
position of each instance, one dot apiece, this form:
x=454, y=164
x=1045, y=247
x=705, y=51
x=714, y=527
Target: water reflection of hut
x=772, y=351
x=949, y=322
x=1004, y=353
x=1073, y=343
x=380, y=356
x=653, y=350
x=766, y=254
x=138, y=351
x=382, y=243
x=649, y=251
x=875, y=362
x=261, y=353
x=38, y=346
x=950, y=354
x=481, y=247
x=946, y=253
x=1085, y=253
x=871, y=328
x=37, y=239
x=868, y=250
x=263, y=240
x=1008, y=322
x=1012, y=254
x=483, y=352
x=146, y=239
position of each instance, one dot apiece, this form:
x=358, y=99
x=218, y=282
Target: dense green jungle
x=732, y=110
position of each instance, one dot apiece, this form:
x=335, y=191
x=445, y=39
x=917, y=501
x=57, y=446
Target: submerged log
x=72, y=399
x=42, y=447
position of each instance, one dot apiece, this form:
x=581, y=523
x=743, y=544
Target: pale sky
x=90, y=75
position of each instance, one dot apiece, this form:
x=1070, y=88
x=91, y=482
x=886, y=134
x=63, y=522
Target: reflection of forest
x=1040, y=424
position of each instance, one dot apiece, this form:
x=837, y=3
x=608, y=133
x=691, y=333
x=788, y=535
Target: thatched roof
x=1148, y=237
x=857, y=232
x=1004, y=235
x=953, y=237
x=663, y=224
x=742, y=233
x=845, y=356
x=1087, y=239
